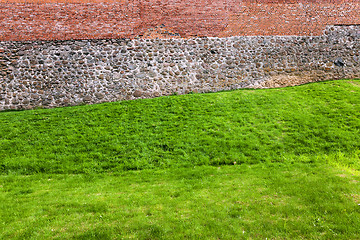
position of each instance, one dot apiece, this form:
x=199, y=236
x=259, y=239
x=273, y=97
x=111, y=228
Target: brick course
x=85, y=19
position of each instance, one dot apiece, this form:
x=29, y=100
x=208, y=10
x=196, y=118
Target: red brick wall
x=290, y=19
x=83, y=19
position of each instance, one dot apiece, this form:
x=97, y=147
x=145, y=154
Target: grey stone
x=132, y=67
x=87, y=98
x=140, y=75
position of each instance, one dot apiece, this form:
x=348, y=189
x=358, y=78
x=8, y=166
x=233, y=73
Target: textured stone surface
x=62, y=73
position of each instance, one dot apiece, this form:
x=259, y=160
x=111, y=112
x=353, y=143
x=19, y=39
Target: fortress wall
x=69, y=52
x=72, y=72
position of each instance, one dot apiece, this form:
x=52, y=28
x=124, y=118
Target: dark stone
x=46, y=103
x=99, y=95
x=339, y=62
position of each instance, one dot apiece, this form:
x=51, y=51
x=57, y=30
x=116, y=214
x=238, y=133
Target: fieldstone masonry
x=72, y=72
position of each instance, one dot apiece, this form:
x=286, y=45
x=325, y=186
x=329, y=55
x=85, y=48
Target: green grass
x=273, y=201
x=246, y=126
x=247, y=164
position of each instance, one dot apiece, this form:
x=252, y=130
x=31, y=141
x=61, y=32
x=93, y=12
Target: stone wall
x=62, y=73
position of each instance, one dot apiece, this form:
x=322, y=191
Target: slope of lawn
x=245, y=126
x=246, y=164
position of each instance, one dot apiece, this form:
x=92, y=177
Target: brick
x=95, y=19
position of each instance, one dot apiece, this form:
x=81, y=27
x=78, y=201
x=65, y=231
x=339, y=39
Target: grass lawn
x=246, y=164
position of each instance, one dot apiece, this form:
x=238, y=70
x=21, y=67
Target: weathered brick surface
x=84, y=19
x=290, y=19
